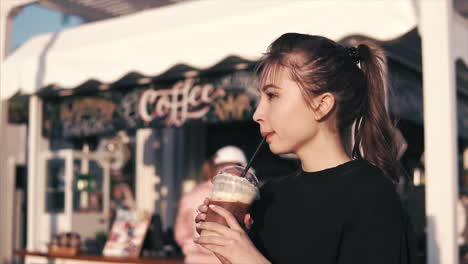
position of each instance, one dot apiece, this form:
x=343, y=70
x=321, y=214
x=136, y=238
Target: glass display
x=88, y=187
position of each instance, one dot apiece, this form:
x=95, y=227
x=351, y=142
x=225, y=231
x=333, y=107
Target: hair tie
x=354, y=54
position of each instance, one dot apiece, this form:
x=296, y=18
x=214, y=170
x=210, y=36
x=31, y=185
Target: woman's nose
x=258, y=116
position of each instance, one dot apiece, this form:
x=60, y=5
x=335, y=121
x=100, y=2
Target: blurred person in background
x=185, y=225
x=122, y=198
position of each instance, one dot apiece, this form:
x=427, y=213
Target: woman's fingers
x=248, y=221
x=213, y=240
x=230, y=219
x=220, y=251
x=215, y=227
x=201, y=213
x=200, y=217
x=202, y=208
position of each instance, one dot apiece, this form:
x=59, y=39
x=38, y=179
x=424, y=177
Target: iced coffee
x=233, y=192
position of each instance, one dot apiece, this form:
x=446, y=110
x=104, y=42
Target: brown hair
x=321, y=65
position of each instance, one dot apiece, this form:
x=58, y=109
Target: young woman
x=340, y=207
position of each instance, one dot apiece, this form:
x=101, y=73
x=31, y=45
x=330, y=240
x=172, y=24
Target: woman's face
x=283, y=115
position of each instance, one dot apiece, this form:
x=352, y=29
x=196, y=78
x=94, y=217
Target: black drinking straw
x=253, y=157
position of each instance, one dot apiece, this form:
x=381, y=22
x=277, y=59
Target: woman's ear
x=324, y=103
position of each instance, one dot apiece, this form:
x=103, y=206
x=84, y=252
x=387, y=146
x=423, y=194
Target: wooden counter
x=40, y=257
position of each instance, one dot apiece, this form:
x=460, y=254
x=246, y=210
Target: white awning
x=198, y=33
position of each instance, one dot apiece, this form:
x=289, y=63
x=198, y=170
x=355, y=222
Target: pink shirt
x=185, y=229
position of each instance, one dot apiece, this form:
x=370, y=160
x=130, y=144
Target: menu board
x=127, y=234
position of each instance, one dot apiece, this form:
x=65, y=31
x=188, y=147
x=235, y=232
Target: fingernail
x=195, y=239
x=212, y=206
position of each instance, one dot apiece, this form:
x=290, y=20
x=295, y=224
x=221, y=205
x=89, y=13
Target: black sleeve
x=257, y=212
x=377, y=232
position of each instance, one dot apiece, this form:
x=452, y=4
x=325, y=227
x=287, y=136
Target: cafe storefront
x=140, y=143
x=148, y=136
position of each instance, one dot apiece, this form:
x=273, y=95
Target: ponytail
x=374, y=131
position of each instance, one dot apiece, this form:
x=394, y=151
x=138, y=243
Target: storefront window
x=87, y=187
x=55, y=192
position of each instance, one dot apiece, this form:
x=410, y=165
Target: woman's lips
x=268, y=135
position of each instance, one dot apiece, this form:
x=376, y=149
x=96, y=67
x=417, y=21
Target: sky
x=35, y=19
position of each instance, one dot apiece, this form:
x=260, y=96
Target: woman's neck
x=323, y=151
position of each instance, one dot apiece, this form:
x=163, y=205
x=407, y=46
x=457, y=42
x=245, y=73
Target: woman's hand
x=201, y=213
x=203, y=209
x=232, y=243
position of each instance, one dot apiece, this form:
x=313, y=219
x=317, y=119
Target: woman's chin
x=278, y=150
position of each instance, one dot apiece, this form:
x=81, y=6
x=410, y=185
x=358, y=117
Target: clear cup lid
x=237, y=170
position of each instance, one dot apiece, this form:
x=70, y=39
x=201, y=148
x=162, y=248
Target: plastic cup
x=233, y=192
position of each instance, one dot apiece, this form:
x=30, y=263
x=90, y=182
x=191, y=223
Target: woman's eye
x=270, y=95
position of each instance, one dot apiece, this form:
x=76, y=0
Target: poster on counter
x=127, y=234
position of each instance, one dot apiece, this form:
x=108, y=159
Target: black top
x=347, y=214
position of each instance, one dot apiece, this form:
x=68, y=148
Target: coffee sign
x=185, y=100
x=223, y=99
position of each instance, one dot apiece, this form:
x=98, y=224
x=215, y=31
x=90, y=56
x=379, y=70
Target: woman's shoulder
x=366, y=182
x=366, y=175
x=369, y=194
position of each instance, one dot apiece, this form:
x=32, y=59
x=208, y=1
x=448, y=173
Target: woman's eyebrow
x=265, y=87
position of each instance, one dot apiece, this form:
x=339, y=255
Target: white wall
x=440, y=130
x=12, y=153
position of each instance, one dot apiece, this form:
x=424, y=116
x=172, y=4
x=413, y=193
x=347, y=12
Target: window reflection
x=55, y=192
